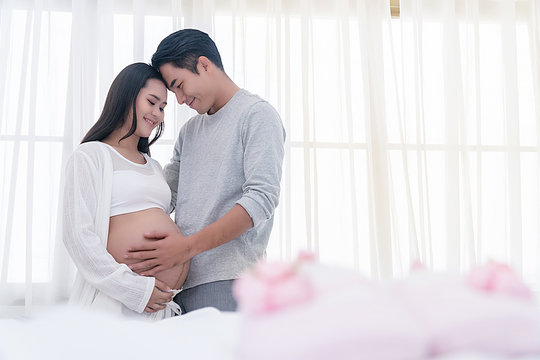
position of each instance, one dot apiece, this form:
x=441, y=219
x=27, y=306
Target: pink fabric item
x=341, y=315
x=309, y=311
x=271, y=286
x=498, y=278
x=460, y=318
x=417, y=266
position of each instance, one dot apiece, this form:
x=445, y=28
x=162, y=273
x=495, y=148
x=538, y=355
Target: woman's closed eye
x=153, y=104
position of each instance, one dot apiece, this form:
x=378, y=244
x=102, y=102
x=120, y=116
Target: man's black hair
x=183, y=49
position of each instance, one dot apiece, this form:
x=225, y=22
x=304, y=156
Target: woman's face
x=150, y=105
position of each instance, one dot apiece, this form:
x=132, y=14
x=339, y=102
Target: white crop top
x=137, y=187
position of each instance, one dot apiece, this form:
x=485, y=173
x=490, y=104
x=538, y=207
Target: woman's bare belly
x=128, y=230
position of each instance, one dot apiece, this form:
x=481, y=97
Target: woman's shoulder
x=92, y=148
x=92, y=152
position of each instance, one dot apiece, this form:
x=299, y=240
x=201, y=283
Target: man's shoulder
x=252, y=103
x=248, y=99
x=192, y=121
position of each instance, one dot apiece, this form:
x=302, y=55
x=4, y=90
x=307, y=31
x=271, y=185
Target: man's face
x=190, y=89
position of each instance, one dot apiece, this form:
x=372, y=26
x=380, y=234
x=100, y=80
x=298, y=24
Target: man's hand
x=161, y=295
x=163, y=251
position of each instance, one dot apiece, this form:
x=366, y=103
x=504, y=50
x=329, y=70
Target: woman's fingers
x=163, y=292
x=157, y=307
x=143, y=266
x=162, y=286
x=161, y=295
x=148, y=309
x=165, y=298
x=152, y=272
x=154, y=307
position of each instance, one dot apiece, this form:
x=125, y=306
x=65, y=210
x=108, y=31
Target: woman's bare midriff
x=128, y=230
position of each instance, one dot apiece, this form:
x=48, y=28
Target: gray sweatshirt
x=231, y=157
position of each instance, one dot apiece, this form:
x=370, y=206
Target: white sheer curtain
x=408, y=139
x=464, y=146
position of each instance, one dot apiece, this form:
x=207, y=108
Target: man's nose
x=180, y=97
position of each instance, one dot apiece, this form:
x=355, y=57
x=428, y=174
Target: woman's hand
x=161, y=295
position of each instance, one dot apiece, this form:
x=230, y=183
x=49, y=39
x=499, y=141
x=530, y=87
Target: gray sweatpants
x=216, y=294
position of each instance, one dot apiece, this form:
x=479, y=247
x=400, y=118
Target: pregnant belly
x=128, y=230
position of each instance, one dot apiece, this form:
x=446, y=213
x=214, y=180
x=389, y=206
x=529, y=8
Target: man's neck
x=226, y=92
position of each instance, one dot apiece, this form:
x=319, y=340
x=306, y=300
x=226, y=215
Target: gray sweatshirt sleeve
x=171, y=171
x=263, y=137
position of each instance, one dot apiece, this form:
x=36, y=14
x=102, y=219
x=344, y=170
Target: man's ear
x=204, y=62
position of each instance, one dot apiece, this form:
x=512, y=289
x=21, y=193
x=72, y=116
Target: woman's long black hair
x=120, y=99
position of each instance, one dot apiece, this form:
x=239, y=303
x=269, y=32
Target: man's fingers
x=155, y=235
x=139, y=251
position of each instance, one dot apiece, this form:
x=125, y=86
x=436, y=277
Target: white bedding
x=66, y=333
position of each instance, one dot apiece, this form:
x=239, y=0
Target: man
x=224, y=175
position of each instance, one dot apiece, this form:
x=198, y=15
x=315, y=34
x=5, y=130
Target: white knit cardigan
x=87, y=203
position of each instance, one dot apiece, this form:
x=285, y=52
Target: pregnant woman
x=114, y=193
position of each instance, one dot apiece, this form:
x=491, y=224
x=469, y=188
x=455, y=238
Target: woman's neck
x=128, y=147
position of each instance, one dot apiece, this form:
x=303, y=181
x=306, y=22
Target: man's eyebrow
x=158, y=98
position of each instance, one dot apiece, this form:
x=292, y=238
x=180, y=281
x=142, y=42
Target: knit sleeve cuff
x=255, y=211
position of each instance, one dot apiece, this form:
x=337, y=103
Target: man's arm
x=171, y=171
x=174, y=249
x=263, y=139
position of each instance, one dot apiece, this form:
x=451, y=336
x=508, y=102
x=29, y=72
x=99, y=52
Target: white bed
x=66, y=333
x=307, y=311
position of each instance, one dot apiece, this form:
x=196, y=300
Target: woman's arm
x=86, y=247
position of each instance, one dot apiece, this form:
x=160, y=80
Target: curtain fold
x=410, y=140
x=371, y=18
